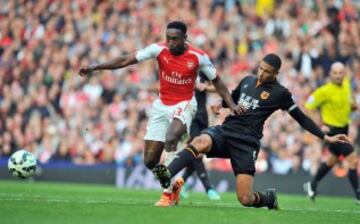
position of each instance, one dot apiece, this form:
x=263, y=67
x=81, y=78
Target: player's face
x=337, y=74
x=175, y=41
x=266, y=72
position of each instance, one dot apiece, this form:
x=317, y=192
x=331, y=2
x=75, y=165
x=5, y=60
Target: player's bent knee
x=202, y=143
x=170, y=139
x=171, y=142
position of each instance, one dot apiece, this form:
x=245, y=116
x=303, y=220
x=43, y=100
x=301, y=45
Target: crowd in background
x=46, y=108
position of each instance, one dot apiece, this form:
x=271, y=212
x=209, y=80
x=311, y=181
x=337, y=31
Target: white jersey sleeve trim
x=292, y=108
x=151, y=51
x=206, y=66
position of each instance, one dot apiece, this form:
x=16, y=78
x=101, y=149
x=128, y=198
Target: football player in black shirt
x=238, y=138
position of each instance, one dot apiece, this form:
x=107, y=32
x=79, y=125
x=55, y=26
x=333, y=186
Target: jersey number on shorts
x=178, y=112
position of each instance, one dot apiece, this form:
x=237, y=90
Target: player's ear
x=185, y=36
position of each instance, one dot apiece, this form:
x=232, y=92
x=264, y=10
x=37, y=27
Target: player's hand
x=340, y=138
x=86, y=71
x=237, y=109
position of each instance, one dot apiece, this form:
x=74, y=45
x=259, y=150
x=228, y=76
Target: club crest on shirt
x=190, y=64
x=166, y=60
x=264, y=95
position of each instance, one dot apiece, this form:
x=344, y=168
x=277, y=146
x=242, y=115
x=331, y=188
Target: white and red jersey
x=177, y=73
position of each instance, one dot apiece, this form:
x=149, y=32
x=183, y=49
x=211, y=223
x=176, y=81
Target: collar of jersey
x=266, y=83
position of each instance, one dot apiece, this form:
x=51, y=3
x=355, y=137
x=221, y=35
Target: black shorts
x=242, y=149
x=340, y=149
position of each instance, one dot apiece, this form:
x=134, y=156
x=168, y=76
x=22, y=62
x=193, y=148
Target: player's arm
x=120, y=62
x=306, y=122
x=314, y=115
x=225, y=94
x=210, y=72
x=287, y=103
x=235, y=94
x=309, y=125
x=116, y=63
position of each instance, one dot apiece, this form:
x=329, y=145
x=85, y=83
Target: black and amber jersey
x=260, y=100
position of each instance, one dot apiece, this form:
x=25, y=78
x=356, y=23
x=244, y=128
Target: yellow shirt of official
x=334, y=102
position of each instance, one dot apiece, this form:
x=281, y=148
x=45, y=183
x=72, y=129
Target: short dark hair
x=273, y=60
x=177, y=25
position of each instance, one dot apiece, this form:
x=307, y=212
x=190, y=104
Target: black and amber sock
x=261, y=200
x=182, y=159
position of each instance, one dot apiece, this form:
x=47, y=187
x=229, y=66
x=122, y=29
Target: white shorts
x=161, y=116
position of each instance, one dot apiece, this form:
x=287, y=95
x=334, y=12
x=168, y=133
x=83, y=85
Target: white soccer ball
x=22, y=164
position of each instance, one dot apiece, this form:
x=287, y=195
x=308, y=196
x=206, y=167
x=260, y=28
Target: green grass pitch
x=29, y=202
